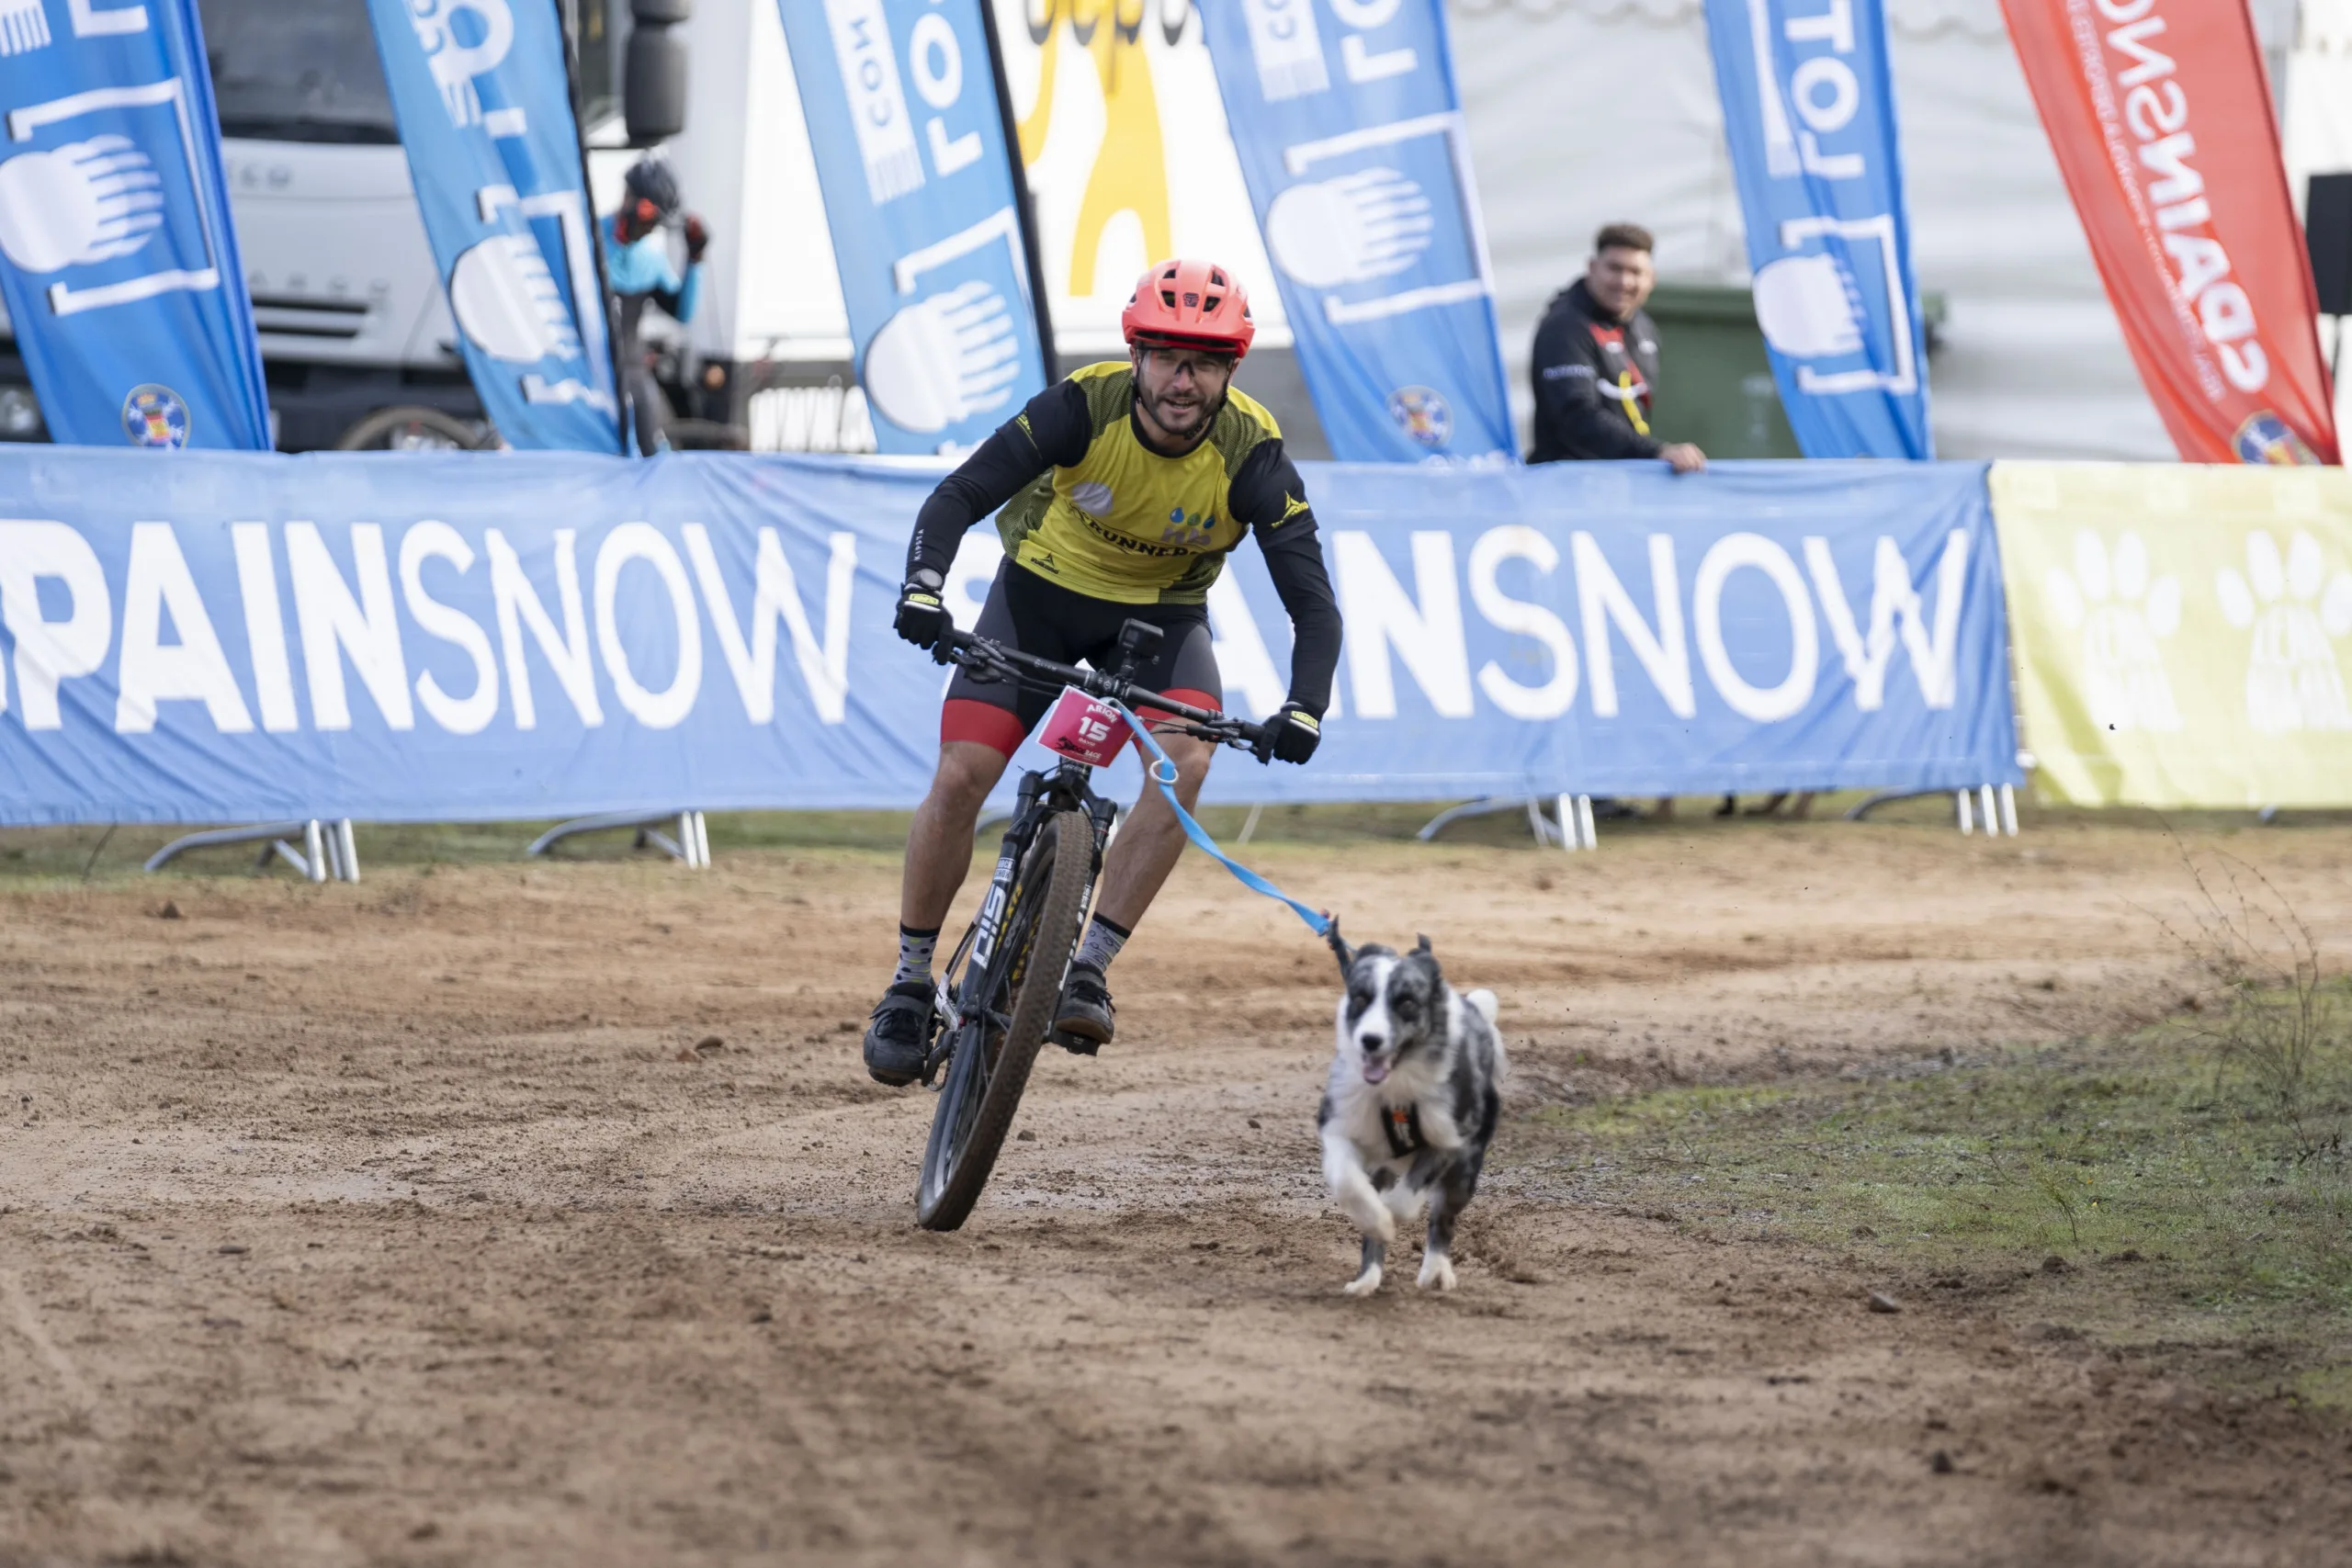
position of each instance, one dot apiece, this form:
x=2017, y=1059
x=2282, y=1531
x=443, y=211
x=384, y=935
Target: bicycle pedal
x=1076, y=1044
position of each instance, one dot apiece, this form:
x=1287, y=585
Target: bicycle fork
x=969, y=970
x=1016, y=835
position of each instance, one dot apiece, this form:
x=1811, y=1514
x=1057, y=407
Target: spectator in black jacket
x=1596, y=361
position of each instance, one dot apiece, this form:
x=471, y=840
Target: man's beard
x=1206, y=414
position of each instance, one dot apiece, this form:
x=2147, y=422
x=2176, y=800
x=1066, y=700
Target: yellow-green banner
x=2179, y=631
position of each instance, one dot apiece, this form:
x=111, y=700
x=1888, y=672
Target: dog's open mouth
x=1374, y=1070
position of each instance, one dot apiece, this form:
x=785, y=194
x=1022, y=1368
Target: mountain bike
x=997, y=995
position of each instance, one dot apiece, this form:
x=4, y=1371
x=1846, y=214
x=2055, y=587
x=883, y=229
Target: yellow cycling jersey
x=1083, y=503
x=1121, y=523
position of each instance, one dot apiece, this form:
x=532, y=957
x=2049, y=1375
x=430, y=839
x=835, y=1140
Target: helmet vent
x=1195, y=304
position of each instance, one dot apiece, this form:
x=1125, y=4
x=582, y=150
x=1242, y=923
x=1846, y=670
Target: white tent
x=1587, y=111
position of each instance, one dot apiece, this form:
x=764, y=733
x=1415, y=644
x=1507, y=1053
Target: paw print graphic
x=2296, y=611
x=2122, y=615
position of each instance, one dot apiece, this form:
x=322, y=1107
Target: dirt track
x=404, y=1223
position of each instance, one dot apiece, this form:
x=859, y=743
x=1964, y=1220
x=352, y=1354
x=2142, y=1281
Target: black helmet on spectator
x=650, y=183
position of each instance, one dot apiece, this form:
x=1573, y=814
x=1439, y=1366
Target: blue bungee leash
x=1162, y=771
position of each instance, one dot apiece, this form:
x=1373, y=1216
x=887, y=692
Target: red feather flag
x=2161, y=117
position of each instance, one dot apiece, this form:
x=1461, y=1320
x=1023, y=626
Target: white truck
x=356, y=339
x=1126, y=149
x=355, y=330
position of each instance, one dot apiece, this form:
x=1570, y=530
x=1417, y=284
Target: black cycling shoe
x=1083, y=1022
x=898, y=1040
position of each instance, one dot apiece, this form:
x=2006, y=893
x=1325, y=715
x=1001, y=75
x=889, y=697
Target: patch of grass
x=36, y=857
x=2277, y=1022
x=54, y=855
x=49, y=855
x=2183, y=1210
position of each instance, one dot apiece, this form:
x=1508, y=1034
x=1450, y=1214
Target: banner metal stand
x=1574, y=830
x=1999, y=804
x=1576, y=815
x=328, y=854
x=1483, y=806
x=692, y=845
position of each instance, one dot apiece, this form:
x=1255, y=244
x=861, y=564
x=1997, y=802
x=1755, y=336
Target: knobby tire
x=1053, y=885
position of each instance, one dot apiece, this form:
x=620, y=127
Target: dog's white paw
x=1364, y=1283
x=1437, y=1272
x=1365, y=1206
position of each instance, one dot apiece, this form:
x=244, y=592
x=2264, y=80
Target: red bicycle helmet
x=1190, y=304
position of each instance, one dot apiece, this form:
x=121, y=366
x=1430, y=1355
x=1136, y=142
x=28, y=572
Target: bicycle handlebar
x=973, y=651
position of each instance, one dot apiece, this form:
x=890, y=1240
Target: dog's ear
x=1340, y=948
x=1424, y=947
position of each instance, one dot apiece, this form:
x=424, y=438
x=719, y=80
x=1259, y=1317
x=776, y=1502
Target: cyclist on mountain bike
x=1128, y=485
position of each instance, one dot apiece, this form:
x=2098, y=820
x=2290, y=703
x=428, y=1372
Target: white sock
x=1101, y=943
x=914, y=955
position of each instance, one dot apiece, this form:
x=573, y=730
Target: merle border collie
x=1410, y=1105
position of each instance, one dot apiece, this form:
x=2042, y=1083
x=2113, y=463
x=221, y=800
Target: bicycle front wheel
x=1001, y=1039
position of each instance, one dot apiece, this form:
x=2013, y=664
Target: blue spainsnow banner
x=908, y=137
x=1809, y=111
x=117, y=255
x=1353, y=142
x=468, y=637
x=484, y=106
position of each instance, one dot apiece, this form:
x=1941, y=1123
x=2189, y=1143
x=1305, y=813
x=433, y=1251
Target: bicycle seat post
x=1138, y=641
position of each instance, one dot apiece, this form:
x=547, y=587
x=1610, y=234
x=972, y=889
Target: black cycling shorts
x=1045, y=620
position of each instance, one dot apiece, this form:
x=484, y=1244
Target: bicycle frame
x=1068, y=787
x=999, y=996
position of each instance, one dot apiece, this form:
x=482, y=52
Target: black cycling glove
x=1292, y=735
x=922, y=617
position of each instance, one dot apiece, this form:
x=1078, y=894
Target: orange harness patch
x=1402, y=1123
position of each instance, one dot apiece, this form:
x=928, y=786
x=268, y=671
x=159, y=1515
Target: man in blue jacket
x=639, y=268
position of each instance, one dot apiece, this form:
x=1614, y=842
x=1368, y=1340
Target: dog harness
x=1402, y=1123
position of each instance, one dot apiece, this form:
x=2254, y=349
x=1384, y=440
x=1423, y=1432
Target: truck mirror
x=653, y=74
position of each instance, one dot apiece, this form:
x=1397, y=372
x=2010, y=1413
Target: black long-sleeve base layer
x=1055, y=430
